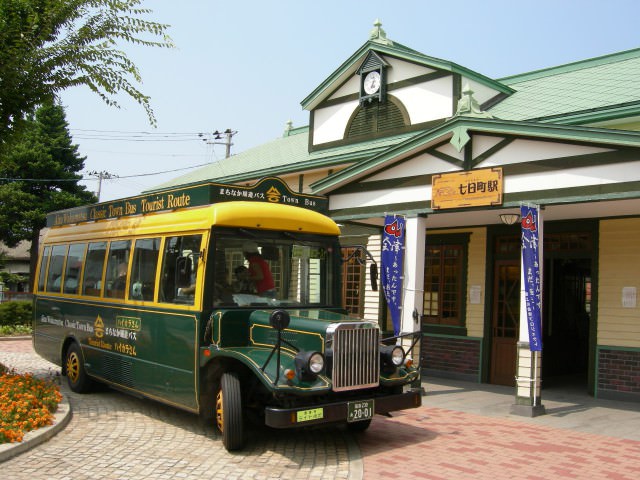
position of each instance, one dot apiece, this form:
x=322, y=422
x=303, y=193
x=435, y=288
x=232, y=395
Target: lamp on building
x=509, y=218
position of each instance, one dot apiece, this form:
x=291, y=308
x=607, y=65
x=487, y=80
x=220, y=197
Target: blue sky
x=247, y=65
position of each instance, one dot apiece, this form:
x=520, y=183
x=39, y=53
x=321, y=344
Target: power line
x=9, y=179
x=140, y=136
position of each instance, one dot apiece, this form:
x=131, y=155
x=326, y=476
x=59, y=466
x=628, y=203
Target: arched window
x=374, y=117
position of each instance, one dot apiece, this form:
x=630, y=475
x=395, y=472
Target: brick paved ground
x=439, y=444
x=115, y=436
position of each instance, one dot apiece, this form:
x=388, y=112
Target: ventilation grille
x=376, y=117
x=356, y=358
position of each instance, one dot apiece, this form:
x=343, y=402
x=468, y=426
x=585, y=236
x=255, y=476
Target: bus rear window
x=46, y=253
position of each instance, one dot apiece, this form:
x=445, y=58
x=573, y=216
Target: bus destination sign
x=269, y=189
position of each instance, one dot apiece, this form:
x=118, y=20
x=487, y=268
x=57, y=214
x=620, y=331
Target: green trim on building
x=570, y=134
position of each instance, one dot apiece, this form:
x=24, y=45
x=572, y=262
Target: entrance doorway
x=566, y=320
x=566, y=316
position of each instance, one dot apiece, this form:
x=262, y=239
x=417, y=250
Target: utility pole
x=228, y=133
x=101, y=175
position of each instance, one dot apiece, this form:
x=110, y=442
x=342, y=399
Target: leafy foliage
x=47, y=46
x=14, y=314
x=39, y=174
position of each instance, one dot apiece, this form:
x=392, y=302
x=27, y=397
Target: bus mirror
x=183, y=272
x=279, y=319
x=356, y=254
x=373, y=273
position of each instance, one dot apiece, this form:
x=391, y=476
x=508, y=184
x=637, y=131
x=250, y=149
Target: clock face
x=371, y=83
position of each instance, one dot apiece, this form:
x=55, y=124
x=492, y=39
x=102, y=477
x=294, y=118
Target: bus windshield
x=285, y=270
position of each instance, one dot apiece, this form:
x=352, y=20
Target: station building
x=390, y=123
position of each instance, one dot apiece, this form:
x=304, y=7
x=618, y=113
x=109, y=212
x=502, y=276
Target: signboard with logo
x=473, y=188
x=270, y=189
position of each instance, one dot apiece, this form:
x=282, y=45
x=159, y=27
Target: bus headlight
x=309, y=365
x=391, y=356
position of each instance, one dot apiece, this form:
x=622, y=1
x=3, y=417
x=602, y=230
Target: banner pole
x=535, y=378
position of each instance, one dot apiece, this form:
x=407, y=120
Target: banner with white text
x=392, y=259
x=531, y=270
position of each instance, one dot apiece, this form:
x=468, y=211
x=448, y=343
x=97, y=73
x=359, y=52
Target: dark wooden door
x=505, y=322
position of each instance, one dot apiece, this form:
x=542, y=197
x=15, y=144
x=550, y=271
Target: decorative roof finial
x=469, y=106
x=378, y=34
x=288, y=127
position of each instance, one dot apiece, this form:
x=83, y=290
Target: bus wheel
x=229, y=411
x=77, y=377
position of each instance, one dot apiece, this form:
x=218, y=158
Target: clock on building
x=371, y=83
x=373, y=78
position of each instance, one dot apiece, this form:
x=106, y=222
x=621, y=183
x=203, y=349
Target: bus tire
x=77, y=377
x=229, y=419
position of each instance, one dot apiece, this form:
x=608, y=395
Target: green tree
x=39, y=174
x=47, y=46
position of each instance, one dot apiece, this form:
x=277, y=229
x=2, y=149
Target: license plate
x=360, y=410
x=307, y=415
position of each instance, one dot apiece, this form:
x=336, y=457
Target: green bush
x=14, y=314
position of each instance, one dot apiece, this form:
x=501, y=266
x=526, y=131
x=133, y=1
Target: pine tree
x=39, y=174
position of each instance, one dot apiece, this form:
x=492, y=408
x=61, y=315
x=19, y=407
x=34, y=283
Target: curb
x=15, y=337
x=34, y=438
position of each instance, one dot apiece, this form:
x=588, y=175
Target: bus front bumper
x=343, y=411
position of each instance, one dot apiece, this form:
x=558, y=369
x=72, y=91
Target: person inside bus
x=120, y=282
x=242, y=284
x=259, y=271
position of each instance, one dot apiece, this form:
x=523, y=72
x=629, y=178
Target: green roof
x=379, y=43
x=277, y=156
x=581, y=92
x=578, y=93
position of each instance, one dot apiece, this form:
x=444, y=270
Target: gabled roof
x=380, y=44
x=537, y=104
x=459, y=126
x=278, y=156
x=582, y=92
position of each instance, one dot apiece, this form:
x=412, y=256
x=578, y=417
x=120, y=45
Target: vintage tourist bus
x=150, y=295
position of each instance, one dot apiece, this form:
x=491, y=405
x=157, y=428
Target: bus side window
x=46, y=253
x=54, y=274
x=178, y=250
x=75, y=258
x=92, y=278
x=143, y=271
x=117, y=266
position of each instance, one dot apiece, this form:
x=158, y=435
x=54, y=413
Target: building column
x=413, y=291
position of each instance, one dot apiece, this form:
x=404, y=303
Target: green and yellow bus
x=154, y=295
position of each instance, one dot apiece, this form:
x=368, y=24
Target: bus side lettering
x=183, y=200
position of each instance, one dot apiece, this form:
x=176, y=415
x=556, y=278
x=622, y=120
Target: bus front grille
x=356, y=359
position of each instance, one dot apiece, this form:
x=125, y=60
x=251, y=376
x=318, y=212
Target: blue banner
x=392, y=264
x=532, y=280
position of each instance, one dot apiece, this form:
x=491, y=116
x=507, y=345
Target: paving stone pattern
x=116, y=436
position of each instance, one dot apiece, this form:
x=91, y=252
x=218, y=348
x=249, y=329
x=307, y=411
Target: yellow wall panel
x=619, y=267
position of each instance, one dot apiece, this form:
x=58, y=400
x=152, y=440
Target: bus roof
x=242, y=214
x=269, y=190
